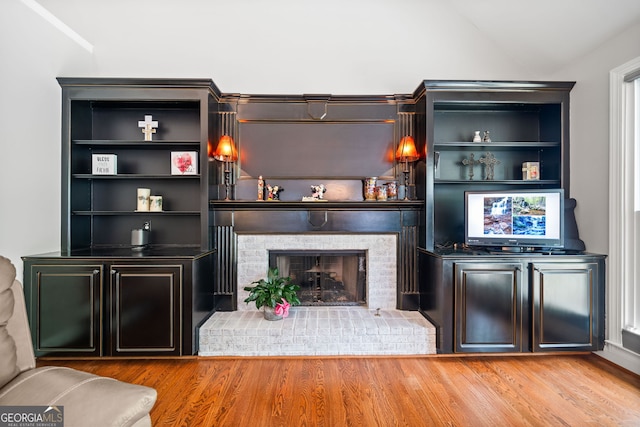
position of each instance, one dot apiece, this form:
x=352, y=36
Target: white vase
x=477, y=137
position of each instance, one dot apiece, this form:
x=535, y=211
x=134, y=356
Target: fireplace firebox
x=335, y=277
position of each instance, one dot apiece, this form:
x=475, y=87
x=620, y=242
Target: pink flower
x=282, y=308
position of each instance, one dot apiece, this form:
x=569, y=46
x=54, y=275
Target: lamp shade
x=406, y=151
x=226, y=150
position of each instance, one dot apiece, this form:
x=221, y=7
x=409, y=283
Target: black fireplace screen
x=325, y=277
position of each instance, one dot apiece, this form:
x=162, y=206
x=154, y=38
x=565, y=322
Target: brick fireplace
x=376, y=328
x=244, y=232
x=387, y=324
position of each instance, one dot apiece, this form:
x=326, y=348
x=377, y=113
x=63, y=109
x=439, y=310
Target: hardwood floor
x=553, y=390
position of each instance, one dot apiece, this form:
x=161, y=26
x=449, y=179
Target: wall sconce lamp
x=226, y=152
x=406, y=153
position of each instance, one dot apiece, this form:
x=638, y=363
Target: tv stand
x=514, y=249
x=513, y=302
x=529, y=251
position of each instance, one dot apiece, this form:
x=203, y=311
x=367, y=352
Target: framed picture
x=531, y=171
x=104, y=164
x=184, y=163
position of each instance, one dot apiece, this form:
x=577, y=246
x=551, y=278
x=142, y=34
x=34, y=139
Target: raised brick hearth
x=318, y=331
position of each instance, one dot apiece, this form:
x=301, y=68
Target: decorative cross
x=470, y=162
x=489, y=161
x=148, y=126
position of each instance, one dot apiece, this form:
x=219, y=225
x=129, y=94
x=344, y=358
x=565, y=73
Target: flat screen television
x=523, y=220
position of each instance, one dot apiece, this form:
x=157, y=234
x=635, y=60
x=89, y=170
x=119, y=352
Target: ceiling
x=549, y=33
x=544, y=35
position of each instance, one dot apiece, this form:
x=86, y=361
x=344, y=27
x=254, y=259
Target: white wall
x=590, y=133
x=255, y=47
x=32, y=54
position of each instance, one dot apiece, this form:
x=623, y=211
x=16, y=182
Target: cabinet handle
x=96, y=271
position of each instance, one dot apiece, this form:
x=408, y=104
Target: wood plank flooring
x=553, y=390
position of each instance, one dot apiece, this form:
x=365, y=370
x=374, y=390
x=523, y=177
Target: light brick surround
x=253, y=260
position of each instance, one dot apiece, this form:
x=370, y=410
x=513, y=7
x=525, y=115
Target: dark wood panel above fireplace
x=295, y=141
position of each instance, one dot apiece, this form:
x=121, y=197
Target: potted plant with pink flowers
x=275, y=295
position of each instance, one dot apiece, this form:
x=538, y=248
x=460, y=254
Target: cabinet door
x=565, y=302
x=146, y=309
x=489, y=302
x=64, y=308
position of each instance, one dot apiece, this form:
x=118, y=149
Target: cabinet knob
x=96, y=271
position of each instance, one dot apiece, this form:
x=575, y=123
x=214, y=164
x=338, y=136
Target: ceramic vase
x=269, y=314
x=477, y=137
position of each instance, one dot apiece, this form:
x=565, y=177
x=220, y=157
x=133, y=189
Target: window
x=623, y=296
x=632, y=313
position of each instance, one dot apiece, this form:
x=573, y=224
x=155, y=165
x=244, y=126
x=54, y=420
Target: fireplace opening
x=325, y=277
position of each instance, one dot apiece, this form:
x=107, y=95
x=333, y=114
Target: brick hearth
x=318, y=331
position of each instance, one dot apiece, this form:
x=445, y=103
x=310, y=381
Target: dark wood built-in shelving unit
x=100, y=296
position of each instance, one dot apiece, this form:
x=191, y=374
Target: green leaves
x=273, y=290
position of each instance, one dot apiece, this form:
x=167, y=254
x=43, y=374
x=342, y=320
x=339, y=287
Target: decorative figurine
x=477, y=137
x=148, y=127
x=274, y=192
x=489, y=161
x=260, y=188
x=470, y=162
x=486, y=137
x=317, y=191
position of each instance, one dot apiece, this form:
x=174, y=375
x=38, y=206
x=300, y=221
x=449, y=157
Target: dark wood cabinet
x=490, y=307
x=482, y=303
x=64, y=302
x=102, y=294
x=492, y=301
x=570, y=295
x=145, y=308
x=93, y=304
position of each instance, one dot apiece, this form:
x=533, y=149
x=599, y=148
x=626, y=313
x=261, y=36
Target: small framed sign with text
x=104, y=164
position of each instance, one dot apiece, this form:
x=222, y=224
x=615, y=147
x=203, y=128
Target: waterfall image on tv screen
x=527, y=218
x=523, y=216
